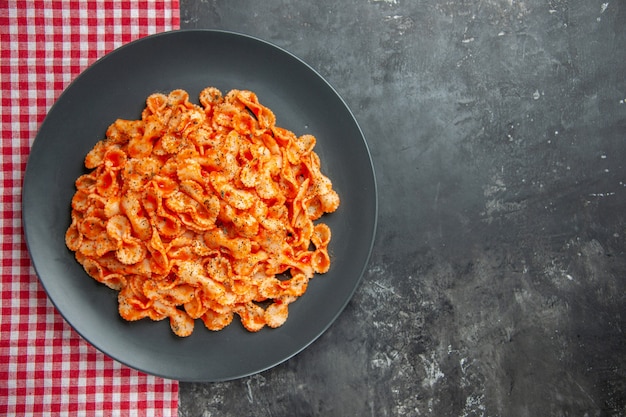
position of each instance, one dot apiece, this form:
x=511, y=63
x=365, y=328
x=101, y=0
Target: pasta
x=203, y=212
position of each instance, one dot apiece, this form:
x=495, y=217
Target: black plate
x=116, y=86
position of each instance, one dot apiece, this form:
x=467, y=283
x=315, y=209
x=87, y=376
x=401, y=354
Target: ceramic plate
x=116, y=86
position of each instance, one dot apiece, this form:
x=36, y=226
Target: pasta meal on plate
x=203, y=211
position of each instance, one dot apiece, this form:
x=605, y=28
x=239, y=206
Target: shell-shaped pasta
x=320, y=261
x=130, y=250
x=237, y=247
x=122, y=131
x=157, y=104
x=181, y=324
x=275, y=288
x=231, y=143
x=210, y=97
x=190, y=170
x=246, y=225
x=300, y=147
x=107, y=184
x=168, y=144
x=92, y=227
x=95, y=156
x=217, y=321
x=218, y=268
x=207, y=200
x=266, y=188
x=193, y=274
x=191, y=121
x=110, y=261
x=97, y=271
x=114, y=158
x=313, y=207
x=265, y=116
x=95, y=248
x=321, y=235
x=112, y=206
x=194, y=307
x=134, y=290
x=249, y=175
x=251, y=316
x=129, y=309
x=80, y=201
x=245, y=123
x=276, y=314
x=131, y=206
x=73, y=237
x=302, y=235
x=171, y=295
x=270, y=143
x=242, y=223
x=164, y=185
x=177, y=98
x=214, y=305
x=240, y=199
x=330, y=201
x=138, y=172
x=193, y=212
x=165, y=223
x=181, y=248
x=248, y=265
x=298, y=205
x=223, y=115
x=303, y=264
x=241, y=287
x=178, y=202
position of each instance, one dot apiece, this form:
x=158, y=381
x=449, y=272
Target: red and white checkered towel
x=45, y=367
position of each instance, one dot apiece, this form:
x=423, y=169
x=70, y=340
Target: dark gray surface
x=496, y=285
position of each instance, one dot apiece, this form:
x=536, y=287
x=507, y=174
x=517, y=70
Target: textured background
x=496, y=284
